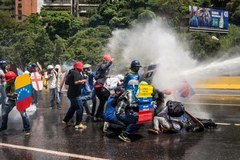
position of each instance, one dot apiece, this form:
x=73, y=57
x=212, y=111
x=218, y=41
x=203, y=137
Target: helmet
x=87, y=65
x=120, y=77
x=50, y=67
x=10, y=75
x=118, y=89
x=135, y=63
x=106, y=57
x=57, y=66
x=34, y=65
x=3, y=62
x=78, y=65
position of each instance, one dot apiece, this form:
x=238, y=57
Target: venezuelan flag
x=23, y=88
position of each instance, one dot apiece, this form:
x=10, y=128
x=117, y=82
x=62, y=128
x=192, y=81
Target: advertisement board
x=208, y=20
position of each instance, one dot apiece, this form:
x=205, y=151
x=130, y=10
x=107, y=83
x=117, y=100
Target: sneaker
x=27, y=132
x=153, y=131
x=63, y=122
x=124, y=137
x=105, y=127
x=80, y=126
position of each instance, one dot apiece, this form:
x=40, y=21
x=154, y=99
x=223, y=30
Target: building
x=77, y=7
x=25, y=8
x=19, y=9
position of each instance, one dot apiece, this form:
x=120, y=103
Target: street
x=50, y=139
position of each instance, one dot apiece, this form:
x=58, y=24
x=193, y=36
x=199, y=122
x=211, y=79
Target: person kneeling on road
x=126, y=113
x=110, y=111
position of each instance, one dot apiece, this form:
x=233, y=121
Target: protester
x=3, y=95
x=33, y=68
x=75, y=81
x=101, y=92
x=60, y=80
x=126, y=113
x=132, y=74
x=110, y=117
x=11, y=102
x=51, y=77
x=88, y=89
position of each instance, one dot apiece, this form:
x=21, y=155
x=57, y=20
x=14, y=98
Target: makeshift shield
x=23, y=88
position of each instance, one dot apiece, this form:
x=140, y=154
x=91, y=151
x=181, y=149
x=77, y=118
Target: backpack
x=69, y=79
x=175, y=109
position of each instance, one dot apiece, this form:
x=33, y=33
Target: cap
x=87, y=65
x=78, y=65
x=106, y=57
x=50, y=67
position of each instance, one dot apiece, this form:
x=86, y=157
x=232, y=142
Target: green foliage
x=6, y=21
x=203, y=46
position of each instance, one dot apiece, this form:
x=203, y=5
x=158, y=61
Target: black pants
x=102, y=94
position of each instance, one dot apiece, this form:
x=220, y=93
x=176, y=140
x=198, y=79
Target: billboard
x=208, y=20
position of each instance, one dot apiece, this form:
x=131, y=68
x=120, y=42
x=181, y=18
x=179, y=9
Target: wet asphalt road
x=49, y=139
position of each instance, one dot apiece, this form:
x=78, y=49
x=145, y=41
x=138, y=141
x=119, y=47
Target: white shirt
x=52, y=81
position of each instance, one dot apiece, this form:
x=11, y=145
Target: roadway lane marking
x=228, y=124
x=224, y=124
x=211, y=104
x=64, y=154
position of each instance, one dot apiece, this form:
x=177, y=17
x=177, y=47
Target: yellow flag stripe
x=22, y=80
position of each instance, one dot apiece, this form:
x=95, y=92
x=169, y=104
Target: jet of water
x=155, y=42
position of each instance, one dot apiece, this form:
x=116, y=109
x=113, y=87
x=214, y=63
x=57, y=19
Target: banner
x=208, y=20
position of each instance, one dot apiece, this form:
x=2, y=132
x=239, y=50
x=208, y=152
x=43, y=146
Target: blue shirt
x=130, y=76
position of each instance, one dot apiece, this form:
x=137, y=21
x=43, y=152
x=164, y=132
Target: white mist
x=153, y=42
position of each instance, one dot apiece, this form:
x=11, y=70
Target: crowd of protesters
x=116, y=96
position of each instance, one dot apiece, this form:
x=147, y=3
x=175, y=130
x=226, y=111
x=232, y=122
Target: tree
x=234, y=11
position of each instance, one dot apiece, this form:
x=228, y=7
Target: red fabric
x=107, y=57
x=98, y=86
x=24, y=104
x=78, y=65
x=144, y=116
x=184, y=91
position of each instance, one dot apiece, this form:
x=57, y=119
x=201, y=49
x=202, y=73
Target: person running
x=75, y=81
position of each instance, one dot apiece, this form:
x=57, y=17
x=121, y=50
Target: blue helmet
x=3, y=62
x=135, y=63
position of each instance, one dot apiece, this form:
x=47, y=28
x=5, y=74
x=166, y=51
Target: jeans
x=75, y=106
x=54, y=96
x=7, y=109
x=34, y=96
x=3, y=96
x=130, y=120
x=85, y=98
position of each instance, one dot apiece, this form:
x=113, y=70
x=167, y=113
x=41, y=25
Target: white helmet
x=50, y=67
x=57, y=66
x=120, y=77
